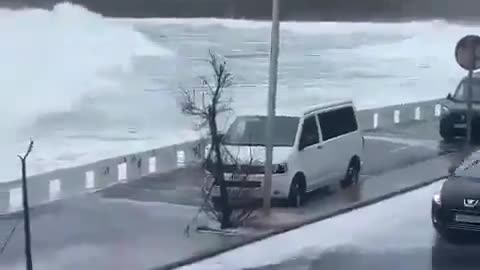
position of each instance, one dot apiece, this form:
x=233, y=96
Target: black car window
x=250, y=130
x=309, y=134
x=337, y=122
x=461, y=92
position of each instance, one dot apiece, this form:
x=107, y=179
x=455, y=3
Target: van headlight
x=280, y=168
x=437, y=198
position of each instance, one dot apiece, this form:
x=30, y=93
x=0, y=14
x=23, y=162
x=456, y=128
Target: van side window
x=337, y=122
x=309, y=134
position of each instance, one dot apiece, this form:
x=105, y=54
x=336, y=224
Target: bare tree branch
x=207, y=84
x=207, y=113
x=29, y=150
x=189, y=106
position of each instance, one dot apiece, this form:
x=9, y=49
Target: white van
x=315, y=148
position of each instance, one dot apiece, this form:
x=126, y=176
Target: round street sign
x=467, y=52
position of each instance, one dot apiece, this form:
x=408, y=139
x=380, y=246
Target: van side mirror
x=449, y=96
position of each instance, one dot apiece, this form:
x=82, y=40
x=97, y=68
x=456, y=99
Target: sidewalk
x=367, y=192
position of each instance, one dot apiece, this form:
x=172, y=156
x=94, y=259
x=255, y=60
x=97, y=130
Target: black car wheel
x=446, y=129
x=352, y=175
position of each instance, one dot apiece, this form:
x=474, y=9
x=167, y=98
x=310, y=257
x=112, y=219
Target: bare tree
x=26, y=211
x=208, y=111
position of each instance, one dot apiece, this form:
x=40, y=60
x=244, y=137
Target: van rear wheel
x=352, y=176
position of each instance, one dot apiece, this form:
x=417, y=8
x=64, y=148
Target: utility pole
x=26, y=211
x=272, y=95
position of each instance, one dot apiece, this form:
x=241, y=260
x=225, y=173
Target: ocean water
x=86, y=87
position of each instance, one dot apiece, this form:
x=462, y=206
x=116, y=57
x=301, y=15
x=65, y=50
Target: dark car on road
x=456, y=208
x=453, y=116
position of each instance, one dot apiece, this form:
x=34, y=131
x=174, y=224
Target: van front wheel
x=446, y=129
x=296, y=196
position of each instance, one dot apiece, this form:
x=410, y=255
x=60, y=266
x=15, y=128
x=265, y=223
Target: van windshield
x=250, y=130
x=462, y=90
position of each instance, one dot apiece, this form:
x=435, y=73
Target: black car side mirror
x=449, y=96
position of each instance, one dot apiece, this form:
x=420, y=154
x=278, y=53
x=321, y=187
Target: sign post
x=467, y=54
x=469, y=106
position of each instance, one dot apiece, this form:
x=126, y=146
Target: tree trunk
x=218, y=174
x=26, y=216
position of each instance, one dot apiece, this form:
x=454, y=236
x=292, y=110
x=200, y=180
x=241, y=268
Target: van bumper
x=280, y=186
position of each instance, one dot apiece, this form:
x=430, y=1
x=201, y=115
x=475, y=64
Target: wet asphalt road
x=139, y=225
x=395, y=234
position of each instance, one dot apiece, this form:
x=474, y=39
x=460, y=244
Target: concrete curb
x=214, y=252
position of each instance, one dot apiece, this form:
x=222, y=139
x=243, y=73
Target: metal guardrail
x=63, y=183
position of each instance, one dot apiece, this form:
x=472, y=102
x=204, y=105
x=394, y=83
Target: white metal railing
x=66, y=182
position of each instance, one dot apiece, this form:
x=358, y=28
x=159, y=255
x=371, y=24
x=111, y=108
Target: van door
x=308, y=149
x=341, y=140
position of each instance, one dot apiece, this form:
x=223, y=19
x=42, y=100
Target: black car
x=453, y=114
x=456, y=208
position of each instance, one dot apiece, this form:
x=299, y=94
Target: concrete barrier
x=67, y=182
x=384, y=117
